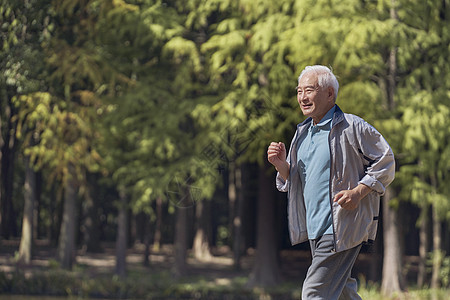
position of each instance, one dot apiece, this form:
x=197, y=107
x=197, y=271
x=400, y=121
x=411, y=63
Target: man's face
x=314, y=101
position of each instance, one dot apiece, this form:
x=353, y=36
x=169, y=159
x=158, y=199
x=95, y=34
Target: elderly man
x=337, y=167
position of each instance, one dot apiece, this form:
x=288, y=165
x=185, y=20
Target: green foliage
x=22, y=30
x=65, y=137
x=158, y=96
x=444, y=263
x=445, y=272
x=152, y=142
x=424, y=101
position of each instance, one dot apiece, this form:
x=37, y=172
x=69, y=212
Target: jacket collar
x=338, y=116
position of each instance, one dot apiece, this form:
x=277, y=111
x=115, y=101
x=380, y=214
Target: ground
x=203, y=275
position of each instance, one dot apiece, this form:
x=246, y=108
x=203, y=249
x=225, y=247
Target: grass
x=161, y=285
x=412, y=294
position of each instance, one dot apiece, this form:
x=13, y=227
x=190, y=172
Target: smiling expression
x=314, y=101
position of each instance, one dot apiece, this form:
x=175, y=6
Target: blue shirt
x=314, y=167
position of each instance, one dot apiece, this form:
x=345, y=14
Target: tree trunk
x=423, y=247
x=182, y=226
x=238, y=233
x=180, y=244
x=392, y=280
x=26, y=240
x=157, y=238
x=147, y=231
x=66, y=245
x=91, y=224
x=437, y=249
x=201, y=246
x=265, y=272
x=376, y=254
x=232, y=196
x=121, y=240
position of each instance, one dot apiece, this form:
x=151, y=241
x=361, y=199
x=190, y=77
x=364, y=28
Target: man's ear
x=330, y=93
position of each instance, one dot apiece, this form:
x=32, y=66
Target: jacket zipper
x=333, y=125
x=329, y=190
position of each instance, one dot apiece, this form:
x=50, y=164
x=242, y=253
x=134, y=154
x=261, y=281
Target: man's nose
x=301, y=97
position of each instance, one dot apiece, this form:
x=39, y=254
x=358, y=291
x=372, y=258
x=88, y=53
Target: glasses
x=309, y=90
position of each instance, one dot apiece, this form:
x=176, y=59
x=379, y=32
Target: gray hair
x=325, y=77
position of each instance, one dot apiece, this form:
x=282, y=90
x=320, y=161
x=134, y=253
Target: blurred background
x=134, y=137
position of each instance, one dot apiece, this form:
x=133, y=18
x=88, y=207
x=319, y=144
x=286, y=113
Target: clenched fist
x=276, y=155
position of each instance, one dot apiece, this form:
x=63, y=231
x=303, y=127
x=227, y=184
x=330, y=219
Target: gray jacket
x=358, y=154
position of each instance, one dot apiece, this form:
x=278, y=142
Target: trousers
x=329, y=276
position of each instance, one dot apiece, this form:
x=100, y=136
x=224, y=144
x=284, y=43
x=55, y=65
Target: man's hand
x=276, y=155
x=350, y=199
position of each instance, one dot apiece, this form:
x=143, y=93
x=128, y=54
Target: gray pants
x=328, y=277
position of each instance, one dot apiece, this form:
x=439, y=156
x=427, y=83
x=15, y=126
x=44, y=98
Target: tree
x=62, y=117
x=268, y=273
x=23, y=29
x=237, y=217
x=151, y=137
x=179, y=267
x=201, y=245
x=122, y=236
x=424, y=105
x=248, y=78
x=90, y=227
x=26, y=241
x=393, y=279
x=66, y=244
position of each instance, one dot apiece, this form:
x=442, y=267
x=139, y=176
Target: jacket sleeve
x=282, y=185
x=380, y=171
